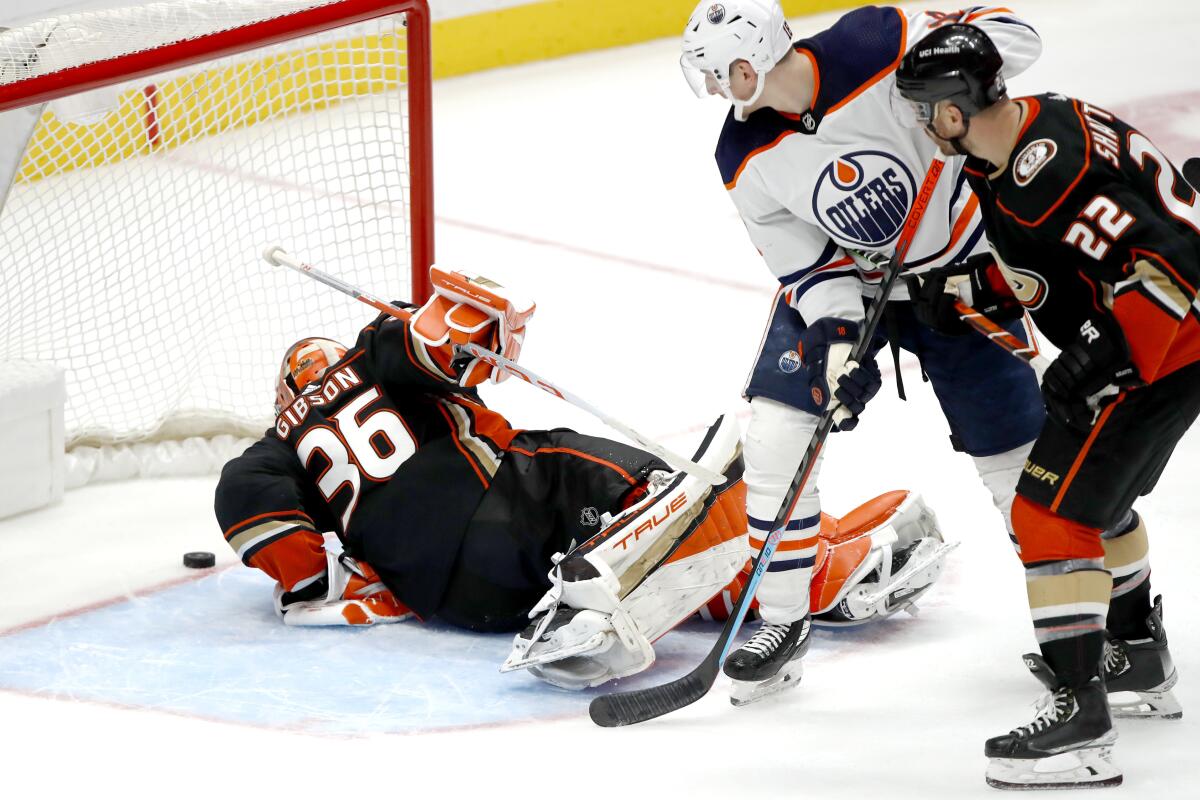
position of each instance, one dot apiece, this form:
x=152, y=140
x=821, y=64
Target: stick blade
x=638, y=705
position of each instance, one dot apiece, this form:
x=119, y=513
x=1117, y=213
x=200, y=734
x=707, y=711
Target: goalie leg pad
x=878, y=559
x=614, y=573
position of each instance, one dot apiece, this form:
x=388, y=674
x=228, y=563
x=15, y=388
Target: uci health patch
x=863, y=197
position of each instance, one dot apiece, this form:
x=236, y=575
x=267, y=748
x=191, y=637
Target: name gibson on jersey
x=321, y=394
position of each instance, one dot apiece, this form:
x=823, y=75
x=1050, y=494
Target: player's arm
x=262, y=510
x=464, y=308
x=1149, y=265
x=819, y=278
x=1019, y=44
x=821, y=282
x=271, y=518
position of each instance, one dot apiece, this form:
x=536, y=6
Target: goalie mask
x=304, y=363
x=718, y=34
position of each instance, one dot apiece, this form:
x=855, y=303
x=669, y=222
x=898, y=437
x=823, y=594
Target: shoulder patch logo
x=716, y=13
x=861, y=198
x=789, y=362
x=1028, y=287
x=1031, y=160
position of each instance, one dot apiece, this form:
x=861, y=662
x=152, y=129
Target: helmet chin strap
x=955, y=142
x=739, y=106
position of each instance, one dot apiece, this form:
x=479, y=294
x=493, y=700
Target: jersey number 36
x=356, y=450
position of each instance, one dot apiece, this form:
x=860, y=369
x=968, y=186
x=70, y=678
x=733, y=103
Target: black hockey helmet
x=955, y=62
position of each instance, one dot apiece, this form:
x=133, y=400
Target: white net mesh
x=131, y=241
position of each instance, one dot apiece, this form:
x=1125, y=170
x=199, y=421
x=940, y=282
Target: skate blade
x=538, y=653
x=1145, y=705
x=744, y=693
x=1091, y=768
x=928, y=562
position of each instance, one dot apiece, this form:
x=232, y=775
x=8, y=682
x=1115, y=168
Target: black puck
x=199, y=560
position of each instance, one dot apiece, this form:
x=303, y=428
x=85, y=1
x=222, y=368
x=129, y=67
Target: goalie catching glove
x=467, y=308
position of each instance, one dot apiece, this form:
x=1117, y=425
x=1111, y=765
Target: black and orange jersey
x=1093, y=225
x=386, y=441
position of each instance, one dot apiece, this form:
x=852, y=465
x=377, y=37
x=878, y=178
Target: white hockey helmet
x=719, y=34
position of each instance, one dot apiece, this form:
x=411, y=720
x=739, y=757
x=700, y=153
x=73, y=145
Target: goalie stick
x=626, y=708
x=277, y=256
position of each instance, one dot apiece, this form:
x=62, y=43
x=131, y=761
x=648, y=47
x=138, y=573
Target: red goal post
x=167, y=145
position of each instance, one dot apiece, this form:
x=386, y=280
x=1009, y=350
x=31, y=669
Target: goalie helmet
x=958, y=63
x=304, y=363
x=718, y=34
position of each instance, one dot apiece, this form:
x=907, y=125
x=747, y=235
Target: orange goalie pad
x=723, y=521
x=841, y=547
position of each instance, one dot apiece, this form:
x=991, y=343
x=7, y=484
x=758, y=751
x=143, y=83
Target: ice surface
x=589, y=182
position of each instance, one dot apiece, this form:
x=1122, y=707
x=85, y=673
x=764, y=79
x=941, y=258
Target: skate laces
x=1051, y=707
x=767, y=639
x=1115, y=658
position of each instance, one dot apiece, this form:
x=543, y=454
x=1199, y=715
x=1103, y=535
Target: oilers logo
x=862, y=198
x=789, y=362
x=716, y=13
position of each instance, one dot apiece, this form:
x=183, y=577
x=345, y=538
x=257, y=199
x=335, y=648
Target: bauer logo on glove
x=471, y=309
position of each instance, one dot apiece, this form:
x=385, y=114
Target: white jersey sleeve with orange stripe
x=841, y=176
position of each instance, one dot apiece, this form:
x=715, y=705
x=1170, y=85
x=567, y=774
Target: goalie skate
x=900, y=553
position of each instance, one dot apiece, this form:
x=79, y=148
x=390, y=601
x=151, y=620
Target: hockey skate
x=1068, y=745
x=769, y=662
x=1140, y=673
x=877, y=560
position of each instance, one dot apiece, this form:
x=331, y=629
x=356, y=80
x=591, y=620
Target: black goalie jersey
x=1093, y=225
x=382, y=443
x=458, y=512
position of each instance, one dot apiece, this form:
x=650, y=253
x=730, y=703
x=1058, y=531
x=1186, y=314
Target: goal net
x=148, y=157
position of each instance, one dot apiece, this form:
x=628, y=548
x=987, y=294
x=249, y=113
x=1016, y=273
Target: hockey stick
x=626, y=708
x=998, y=336
x=276, y=256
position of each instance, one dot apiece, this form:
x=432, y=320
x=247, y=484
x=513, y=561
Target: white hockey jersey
x=843, y=174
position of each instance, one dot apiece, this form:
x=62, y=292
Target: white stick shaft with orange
x=276, y=256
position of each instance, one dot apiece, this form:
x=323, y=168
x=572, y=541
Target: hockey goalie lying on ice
x=445, y=511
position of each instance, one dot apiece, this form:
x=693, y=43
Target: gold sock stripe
x=1073, y=588
x=1126, y=551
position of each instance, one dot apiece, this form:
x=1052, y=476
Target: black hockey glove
x=1087, y=375
x=825, y=349
x=980, y=285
